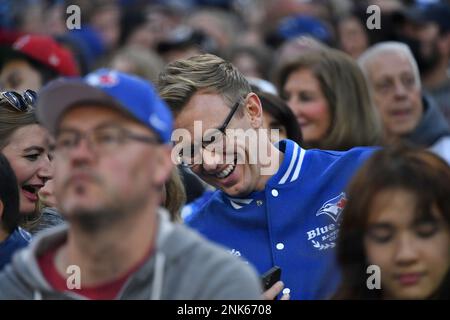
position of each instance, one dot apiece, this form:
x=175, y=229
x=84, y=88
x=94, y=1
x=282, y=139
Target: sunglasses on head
x=20, y=102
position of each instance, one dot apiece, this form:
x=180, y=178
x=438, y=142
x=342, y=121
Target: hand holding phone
x=270, y=277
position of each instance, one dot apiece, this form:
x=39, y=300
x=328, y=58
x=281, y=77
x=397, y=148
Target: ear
x=441, y=43
x=254, y=111
x=1, y=210
x=163, y=164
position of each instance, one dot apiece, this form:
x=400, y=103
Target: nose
x=211, y=160
x=296, y=106
x=47, y=189
x=400, y=90
x=45, y=171
x=406, y=251
x=82, y=153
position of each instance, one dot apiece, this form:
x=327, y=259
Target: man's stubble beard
x=92, y=220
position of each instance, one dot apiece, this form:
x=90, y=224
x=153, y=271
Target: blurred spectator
x=386, y=6
x=397, y=217
x=135, y=29
x=34, y=60
x=12, y=237
x=352, y=36
x=105, y=19
x=394, y=82
x=303, y=25
x=163, y=19
x=143, y=63
x=253, y=14
x=293, y=48
x=328, y=94
x=387, y=20
x=426, y=28
x=54, y=17
x=25, y=16
x=279, y=9
x=146, y=25
x=90, y=44
x=34, y=16
x=220, y=25
x=184, y=42
x=252, y=61
x=79, y=49
x=48, y=209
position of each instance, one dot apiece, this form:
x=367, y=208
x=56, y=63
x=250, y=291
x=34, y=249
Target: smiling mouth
x=227, y=171
x=31, y=191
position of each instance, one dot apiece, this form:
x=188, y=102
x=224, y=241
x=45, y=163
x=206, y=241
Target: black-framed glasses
x=215, y=141
x=104, y=139
x=230, y=115
x=21, y=102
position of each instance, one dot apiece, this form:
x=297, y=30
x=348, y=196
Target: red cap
x=48, y=52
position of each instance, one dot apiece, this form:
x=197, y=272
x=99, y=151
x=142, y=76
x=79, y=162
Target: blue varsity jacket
x=293, y=223
x=16, y=241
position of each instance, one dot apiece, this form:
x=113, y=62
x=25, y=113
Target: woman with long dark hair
x=397, y=218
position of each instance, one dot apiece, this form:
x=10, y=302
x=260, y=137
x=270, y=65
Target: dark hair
x=416, y=170
x=9, y=196
x=279, y=110
x=131, y=20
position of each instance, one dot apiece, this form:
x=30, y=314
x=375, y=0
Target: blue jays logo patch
x=324, y=236
x=333, y=207
x=107, y=79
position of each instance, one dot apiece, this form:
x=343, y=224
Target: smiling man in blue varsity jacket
x=276, y=204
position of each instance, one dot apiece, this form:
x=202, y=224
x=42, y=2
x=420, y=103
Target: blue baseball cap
x=127, y=93
x=299, y=25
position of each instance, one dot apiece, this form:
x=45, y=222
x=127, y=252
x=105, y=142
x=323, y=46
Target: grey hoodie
x=184, y=266
x=431, y=127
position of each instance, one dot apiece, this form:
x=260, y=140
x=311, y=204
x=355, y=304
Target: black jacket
x=431, y=127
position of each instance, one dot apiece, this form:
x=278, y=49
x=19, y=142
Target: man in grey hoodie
x=111, y=160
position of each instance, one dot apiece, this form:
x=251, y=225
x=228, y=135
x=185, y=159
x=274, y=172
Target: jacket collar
x=288, y=172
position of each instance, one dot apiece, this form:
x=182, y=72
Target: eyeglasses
x=21, y=102
x=215, y=142
x=103, y=139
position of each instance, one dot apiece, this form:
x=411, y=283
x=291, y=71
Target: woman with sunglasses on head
x=26, y=146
